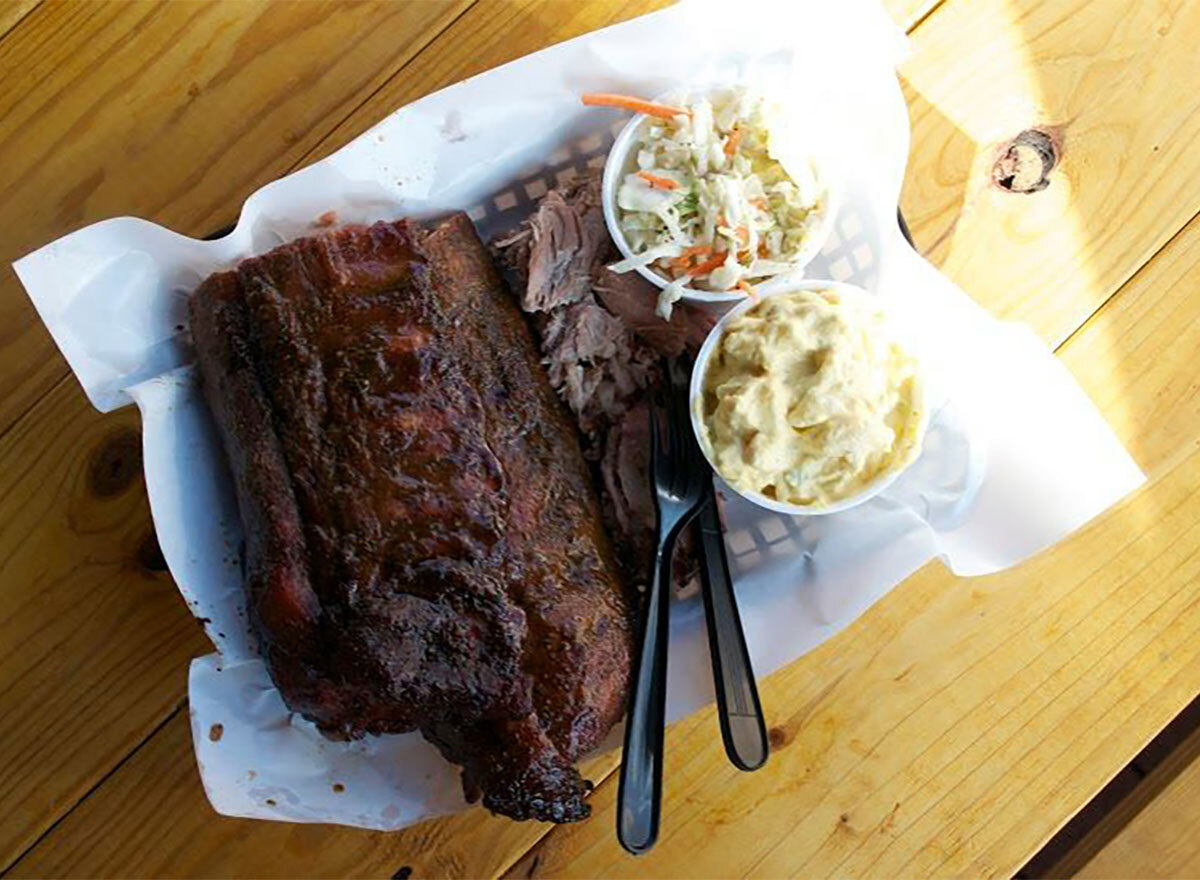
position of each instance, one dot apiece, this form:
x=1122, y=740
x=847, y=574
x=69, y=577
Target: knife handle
x=738, y=708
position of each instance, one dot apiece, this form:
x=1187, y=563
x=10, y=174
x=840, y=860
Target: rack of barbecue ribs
x=424, y=548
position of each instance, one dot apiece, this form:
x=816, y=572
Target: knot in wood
x=1025, y=164
x=115, y=463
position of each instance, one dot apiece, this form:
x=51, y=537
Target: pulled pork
x=602, y=342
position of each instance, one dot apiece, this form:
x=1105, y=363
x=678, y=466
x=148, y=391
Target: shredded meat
x=632, y=299
x=624, y=470
x=594, y=362
x=424, y=547
x=602, y=340
x=566, y=243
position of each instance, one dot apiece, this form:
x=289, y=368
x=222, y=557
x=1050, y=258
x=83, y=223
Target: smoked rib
x=424, y=548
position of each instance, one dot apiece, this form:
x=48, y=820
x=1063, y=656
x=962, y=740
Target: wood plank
x=1080, y=839
x=495, y=33
x=152, y=820
x=1158, y=838
x=509, y=30
x=1067, y=841
x=487, y=36
x=93, y=644
x=11, y=13
x=1103, y=77
x=139, y=717
x=1135, y=358
x=839, y=702
x=93, y=655
x=268, y=861
x=1067, y=853
x=525, y=30
x=1088, y=832
x=953, y=728
x=910, y=13
x=1166, y=743
x=1005, y=237
x=230, y=118
x=174, y=112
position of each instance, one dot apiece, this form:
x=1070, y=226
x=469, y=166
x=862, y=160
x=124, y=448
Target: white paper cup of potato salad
x=807, y=400
x=713, y=193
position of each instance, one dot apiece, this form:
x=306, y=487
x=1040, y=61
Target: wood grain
x=143, y=104
x=953, y=728
x=1102, y=77
x=184, y=135
x=1125, y=796
x=93, y=644
x=499, y=31
x=488, y=35
x=12, y=11
x=1134, y=357
x=967, y=697
x=1163, y=815
x=180, y=129
x=171, y=111
x=120, y=832
x=995, y=684
x=503, y=30
x=1008, y=256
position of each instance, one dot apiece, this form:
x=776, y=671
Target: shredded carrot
x=747, y=289
x=731, y=142
x=743, y=235
x=637, y=105
x=761, y=204
x=762, y=249
x=658, y=182
x=685, y=258
x=708, y=265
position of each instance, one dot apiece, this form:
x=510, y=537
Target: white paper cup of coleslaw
x=696, y=406
x=622, y=160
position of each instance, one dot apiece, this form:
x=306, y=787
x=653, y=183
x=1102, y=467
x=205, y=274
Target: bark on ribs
x=424, y=548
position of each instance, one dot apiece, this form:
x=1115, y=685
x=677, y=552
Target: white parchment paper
x=1016, y=456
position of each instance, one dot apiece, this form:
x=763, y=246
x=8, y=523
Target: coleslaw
x=710, y=205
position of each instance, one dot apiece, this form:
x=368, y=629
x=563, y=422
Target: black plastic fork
x=679, y=474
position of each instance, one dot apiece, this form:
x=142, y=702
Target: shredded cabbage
x=657, y=252
x=669, y=295
x=707, y=185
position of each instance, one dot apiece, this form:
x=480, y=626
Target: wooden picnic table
x=949, y=731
